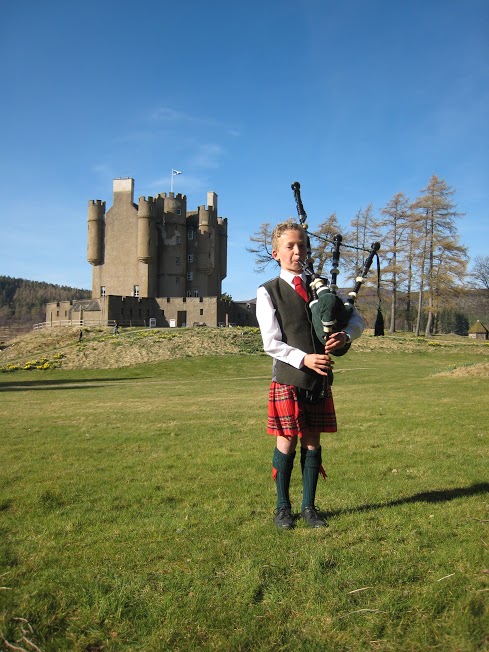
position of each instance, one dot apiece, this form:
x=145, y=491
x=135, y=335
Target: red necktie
x=299, y=288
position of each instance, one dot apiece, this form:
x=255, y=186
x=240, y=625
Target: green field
x=136, y=510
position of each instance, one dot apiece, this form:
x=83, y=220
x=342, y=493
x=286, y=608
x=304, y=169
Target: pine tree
x=443, y=260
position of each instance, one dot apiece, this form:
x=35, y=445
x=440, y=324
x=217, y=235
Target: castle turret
x=207, y=239
x=176, y=206
x=96, y=229
x=146, y=230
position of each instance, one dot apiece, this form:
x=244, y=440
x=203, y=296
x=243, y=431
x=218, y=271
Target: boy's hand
x=318, y=362
x=335, y=341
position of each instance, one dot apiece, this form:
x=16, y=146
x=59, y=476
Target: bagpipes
x=329, y=313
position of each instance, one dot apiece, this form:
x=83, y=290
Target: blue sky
x=357, y=100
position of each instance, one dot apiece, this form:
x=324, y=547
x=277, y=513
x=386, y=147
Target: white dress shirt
x=272, y=334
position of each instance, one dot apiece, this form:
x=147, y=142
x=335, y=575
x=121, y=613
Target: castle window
x=190, y=234
x=179, y=211
x=190, y=276
x=177, y=261
x=102, y=291
x=178, y=239
x=201, y=311
x=190, y=258
x=177, y=280
x=196, y=293
x=168, y=301
x=189, y=293
x=136, y=290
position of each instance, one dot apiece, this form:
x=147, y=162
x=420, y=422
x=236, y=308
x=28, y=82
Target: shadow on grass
x=79, y=383
x=435, y=496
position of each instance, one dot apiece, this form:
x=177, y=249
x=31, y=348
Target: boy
x=301, y=363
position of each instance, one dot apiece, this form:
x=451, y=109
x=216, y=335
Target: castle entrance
x=181, y=318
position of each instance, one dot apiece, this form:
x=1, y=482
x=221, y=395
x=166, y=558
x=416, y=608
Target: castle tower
x=96, y=230
x=147, y=246
x=172, y=264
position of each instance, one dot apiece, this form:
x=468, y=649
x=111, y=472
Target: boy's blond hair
x=281, y=228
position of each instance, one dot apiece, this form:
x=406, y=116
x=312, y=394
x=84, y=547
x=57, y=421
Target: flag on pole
x=173, y=174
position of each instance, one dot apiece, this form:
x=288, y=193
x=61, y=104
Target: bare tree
x=263, y=247
x=359, y=236
x=480, y=272
x=321, y=244
x=415, y=239
x=395, y=246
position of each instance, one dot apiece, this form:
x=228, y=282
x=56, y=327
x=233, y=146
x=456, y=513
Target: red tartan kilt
x=288, y=416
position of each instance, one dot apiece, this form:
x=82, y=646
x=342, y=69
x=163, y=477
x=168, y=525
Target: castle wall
x=136, y=311
x=73, y=312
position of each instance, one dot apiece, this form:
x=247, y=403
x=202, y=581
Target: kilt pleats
x=289, y=417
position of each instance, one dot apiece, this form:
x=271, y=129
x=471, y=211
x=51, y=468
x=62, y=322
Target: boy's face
x=290, y=250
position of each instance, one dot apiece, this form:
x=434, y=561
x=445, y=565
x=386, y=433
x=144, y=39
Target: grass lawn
x=136, y=510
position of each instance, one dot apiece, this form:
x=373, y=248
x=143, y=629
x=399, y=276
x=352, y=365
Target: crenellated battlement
x=207, y=217
x=96, y=210
x=147, y=207
x=171, y=195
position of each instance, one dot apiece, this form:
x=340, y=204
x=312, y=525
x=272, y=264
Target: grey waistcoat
x=294, y=317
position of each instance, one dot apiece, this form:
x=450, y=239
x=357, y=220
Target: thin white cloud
x=165, y=114
x=208, y=156
x=105, y=171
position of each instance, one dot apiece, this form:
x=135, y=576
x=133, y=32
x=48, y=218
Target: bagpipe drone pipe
x=329, y=313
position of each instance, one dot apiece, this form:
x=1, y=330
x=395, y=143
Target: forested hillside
x=23, y=302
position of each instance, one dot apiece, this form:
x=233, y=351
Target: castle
x=154, y=264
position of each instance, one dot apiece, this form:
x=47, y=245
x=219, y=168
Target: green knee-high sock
x=310, y=463
x=283, y=465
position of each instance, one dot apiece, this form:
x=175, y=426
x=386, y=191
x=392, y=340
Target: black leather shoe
x=283, y=518
x=312, y=518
